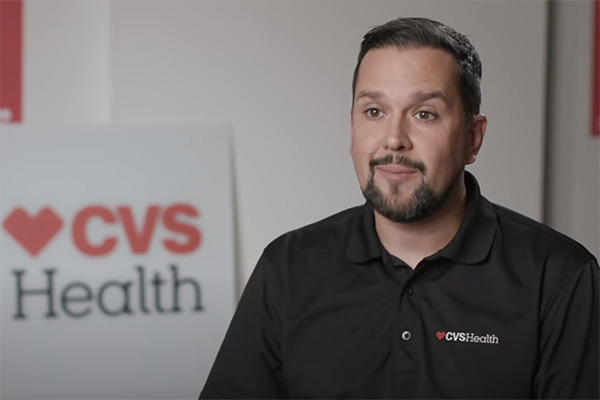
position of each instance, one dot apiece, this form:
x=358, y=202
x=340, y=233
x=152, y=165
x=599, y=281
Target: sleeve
x=568, y=366
x=248, y=364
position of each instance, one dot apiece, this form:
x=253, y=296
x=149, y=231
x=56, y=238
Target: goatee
x=422, y=203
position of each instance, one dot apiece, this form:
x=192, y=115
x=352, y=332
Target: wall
x=66, y=62
x=280, y=74
x=573, y=167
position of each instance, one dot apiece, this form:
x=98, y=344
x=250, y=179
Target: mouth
x=396, y=172
x=396, y=168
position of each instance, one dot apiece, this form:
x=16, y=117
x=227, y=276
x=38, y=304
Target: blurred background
x=278, y=75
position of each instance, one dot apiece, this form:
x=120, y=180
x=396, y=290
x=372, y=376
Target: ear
x=476, y=134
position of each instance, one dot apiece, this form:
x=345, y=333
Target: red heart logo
x=33, y=232
x=441, y=335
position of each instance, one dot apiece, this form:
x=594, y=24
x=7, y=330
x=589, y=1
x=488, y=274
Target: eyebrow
x=371, y=94
x=417, y=95
x=421, y=96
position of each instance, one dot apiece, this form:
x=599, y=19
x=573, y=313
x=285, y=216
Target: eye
x=425, y=115
x=374, y=113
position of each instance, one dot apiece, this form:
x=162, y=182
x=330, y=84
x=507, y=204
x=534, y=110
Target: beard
x=423, y=203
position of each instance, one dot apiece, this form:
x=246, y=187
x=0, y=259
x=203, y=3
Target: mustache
x=399, y=160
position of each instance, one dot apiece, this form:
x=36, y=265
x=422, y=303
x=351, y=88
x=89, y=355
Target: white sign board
x=117, y=262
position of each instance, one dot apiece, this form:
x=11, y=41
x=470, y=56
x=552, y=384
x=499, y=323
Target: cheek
x=435, y=154
x=363, y=145
x=361, y=161
x=444, y=162
x=358, y=148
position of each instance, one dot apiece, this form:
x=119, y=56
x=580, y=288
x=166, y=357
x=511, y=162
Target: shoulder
x=548, y=259
x=299, y=262
x=323, y=234
x=534, y=239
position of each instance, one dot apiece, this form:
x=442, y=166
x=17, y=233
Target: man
x=428, y=290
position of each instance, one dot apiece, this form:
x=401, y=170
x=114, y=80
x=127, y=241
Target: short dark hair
x=423, y=32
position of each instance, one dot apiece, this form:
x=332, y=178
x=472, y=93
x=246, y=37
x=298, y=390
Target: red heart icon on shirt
x=33, y=233
x=440, y=335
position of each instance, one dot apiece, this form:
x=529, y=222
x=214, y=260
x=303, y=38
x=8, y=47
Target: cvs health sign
x=34, y=232
x=117, y=263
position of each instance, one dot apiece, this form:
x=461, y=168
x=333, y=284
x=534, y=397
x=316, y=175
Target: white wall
x=573, y=166
x=280, y=74
x=66, y=62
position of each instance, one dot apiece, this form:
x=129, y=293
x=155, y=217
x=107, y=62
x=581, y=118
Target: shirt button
x=410, y=291
x=406, y=335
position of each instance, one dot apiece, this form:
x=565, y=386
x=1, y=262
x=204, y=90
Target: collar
x=470, y=245
x=363, y=244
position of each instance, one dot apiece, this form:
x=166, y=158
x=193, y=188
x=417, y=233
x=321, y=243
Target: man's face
x=409, y=138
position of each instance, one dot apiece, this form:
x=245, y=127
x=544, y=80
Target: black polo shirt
x=508, y=309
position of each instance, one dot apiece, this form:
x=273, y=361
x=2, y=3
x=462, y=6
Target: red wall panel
x=11, y=57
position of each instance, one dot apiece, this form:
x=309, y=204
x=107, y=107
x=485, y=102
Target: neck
x=413, y=241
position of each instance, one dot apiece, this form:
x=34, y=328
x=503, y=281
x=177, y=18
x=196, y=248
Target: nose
x=397, y=136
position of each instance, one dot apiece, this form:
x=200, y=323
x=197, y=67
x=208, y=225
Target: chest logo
x=489, y=338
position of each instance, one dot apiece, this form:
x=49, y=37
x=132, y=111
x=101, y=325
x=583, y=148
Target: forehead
x=392, y=69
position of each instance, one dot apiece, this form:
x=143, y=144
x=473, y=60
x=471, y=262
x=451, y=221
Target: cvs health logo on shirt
x=467, y=337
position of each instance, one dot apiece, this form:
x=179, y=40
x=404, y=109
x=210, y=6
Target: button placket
x=405, y=358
